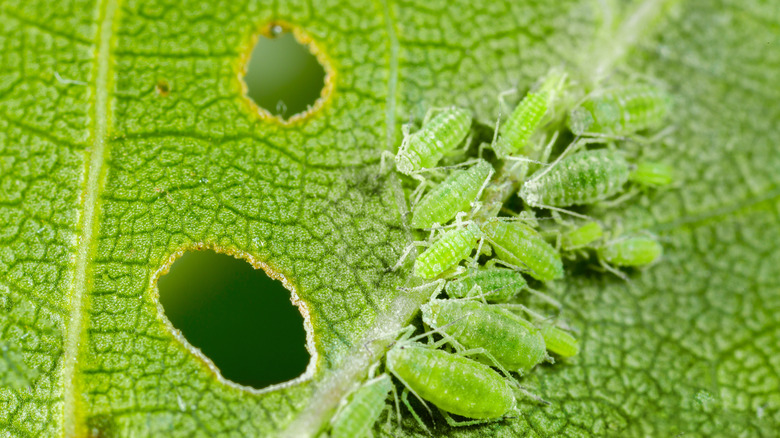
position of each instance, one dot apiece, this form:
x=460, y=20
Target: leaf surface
x=103, y=179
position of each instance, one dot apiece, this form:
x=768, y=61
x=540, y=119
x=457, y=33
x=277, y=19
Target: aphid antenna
x=563, y=154
x=525, y=309
x=514, y=267
x=437, y=290
x=548, y=147
x=563, y=210
x=544, y=297
x=504, y=93
x=405, y=254
x=454, y=166
x=433, y=110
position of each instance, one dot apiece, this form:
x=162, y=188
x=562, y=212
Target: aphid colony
x=485, y=331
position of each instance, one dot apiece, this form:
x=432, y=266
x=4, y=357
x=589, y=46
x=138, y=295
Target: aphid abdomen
x=434, y=140
x=494, y=284
x=454, y=246
x=582, y=236
x=620, y=111
x=582, y=178
x=631, y=251
x=453, y=383
x=513, y=342
x=357, y=418
x=519, y=245
x=451, y=197
x=559, y=341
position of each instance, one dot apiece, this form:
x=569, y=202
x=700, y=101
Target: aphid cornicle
x=513, y=342
x=560, y=341
x=356, y=418
x=454, y=195
x=620, y=111
x=649, y=173
x=446, y=252
x=453, y=383
x=630, y=251
x=493, y=284
x=437, y=137
x=581, y=178
x=582, y=236
x=520, y=245
x=525, y=119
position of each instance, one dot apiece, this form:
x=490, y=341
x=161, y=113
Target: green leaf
x=103, y=179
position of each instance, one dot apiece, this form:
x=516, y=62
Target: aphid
x=453, y=383
x=492, y=284
x=437, y=137
x=521, y=246
x=513, y=342
x=636, y=250
x=495, y=284
x=454, y=195
x=649, y=173
x=446, y=252
x=581, y=178
x=356, y=418
x=559, y=341
x=582, y=237
x=527, y=116
x=620, y=111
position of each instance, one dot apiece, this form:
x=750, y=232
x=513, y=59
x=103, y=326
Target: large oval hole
x=283, y=76
x=238, y=316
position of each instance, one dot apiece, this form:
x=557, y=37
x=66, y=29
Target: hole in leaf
x=283, y=76
x=239, y=317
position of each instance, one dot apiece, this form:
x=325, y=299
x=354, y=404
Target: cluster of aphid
x=478, y=325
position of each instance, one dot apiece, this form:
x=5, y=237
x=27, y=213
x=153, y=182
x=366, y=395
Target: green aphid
x=560, y=341
x=454, y=195
x=493, y=284
x=581, y=178
x=507, y=339
x=638, y=250
x=649, y=173
x=620, y=111
x=453, y=383
x=528, y=115
x=446, y=252
x=437, y=137
x=582, y=236
x=356, y=417
x=521, y=246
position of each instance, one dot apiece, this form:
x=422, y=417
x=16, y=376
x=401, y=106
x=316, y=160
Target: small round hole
x=283, y=76
x=238, y=316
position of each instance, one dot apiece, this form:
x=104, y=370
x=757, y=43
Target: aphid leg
x=614, y=270
x=504, y=93
x=415, y=196
x=515, y=267
x=620, y=199
x=455, y=423
x=406, y=253
x=439, y=287
x=62, y=80
x=522, y=390
x=386, y=155
x=405, y=400
x=547, y=151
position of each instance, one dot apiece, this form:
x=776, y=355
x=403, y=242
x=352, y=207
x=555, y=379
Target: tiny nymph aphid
x=620, y=111
x=438, y=136
x=581, y=178
x=513, y=342
x=361, y=409
x=520, y=246
x=446, y=252
x=454, y=195
x=528, y=115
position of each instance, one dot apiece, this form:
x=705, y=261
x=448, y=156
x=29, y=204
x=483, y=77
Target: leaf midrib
x=99, y=112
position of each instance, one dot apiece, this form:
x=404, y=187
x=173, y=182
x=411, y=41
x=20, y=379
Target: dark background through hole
x=239, y=317
x=282, y=70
